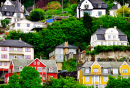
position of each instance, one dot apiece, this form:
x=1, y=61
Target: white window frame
x=87, y=78
x=105, y=79
x=101, y=43
x=38, y=69
x=96, y=70
x=11, y=56
x=86, y=70
x=43, y=77
x=28, y=25
x=109, y=36
x=114, y=43
x=105, y=70
x=114, y=36
x=124, y=70
x=43, y=69
x=50, y=70
x=115, y=71
x=20, y=69
x=38, y=63
x=19, y=56
x=99, y=13
x=34, y=62
x=18, y=24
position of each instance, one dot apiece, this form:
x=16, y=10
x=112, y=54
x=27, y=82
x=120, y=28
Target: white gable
x=86, y=3
x=7, y=2
x=25, y=21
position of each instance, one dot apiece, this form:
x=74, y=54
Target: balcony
x=96, y=73
x=16, y=52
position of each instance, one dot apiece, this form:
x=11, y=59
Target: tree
x=120, y=82
x=73, y=1
x=67, y=82
x=119, y=1
x=53, y=5
x=37, y=14
x=29, y=78
x=4, y=23
x=124, y=9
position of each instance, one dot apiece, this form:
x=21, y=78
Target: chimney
x=78, y=50
x=3, y=38
x=100, y=26
x=66, y=43
x=115, y=27
x=40, y=57
x=19, y=39
x=1, y=4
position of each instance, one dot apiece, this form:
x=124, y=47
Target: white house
x=26, y=25
x=12, y=10
x=95, y=8
x=14, y=49
x=110, y=36
x=116, y=7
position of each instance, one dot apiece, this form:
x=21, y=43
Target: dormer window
x=20, y=68
x=86, y=6
x=99, y=5
x=50, y=69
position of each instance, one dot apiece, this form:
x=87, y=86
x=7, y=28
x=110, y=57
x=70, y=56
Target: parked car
x=63, y=71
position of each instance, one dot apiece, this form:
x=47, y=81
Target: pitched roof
x=114, y=7
x=69, y=46
x=101, y=31
x=25, y=62
x=94, y=3
x=14, y=43
x=104, y=64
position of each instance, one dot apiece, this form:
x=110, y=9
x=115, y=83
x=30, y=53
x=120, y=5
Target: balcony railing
x=96, y=73
x=16, y=52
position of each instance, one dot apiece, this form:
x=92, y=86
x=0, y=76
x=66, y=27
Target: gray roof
x=94, y=3
x=101, y=31
x=114, y=7
x=25, y=62
x=104, y=64
x=14, y=43
x=69, y=46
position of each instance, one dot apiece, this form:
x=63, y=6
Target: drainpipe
x=79, y=12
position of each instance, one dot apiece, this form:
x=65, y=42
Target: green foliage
x=124, y=9
x=37, y=14
x=119, y=1
x=4, y=23
x=53, y=5
x=109, y=5
x=103, y=48
x=28, y=3
x=69, y=65
x=119, y=82
x=29, y=78
x=67, y=82
x=73, y=1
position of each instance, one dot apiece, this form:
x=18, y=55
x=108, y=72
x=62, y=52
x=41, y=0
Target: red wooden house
x=46, y=68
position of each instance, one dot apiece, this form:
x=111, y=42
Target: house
x=12, y=10
x=26, y=25
x=108, y=36
x=59, y=51
x=17, y=49
x=116, y=7
x=95, y=8
x=46, y=68
x=96, y=73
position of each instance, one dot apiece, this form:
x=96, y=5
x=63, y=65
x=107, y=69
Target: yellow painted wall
x=124, y=67
x=80, y=76
x=95, y=65
x=59, y=66
x=90, y=80
x=52, y=58
x=102, y=80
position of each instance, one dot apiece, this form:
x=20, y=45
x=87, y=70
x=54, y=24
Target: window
x=115, y=71
x=7, y=13
x=96, y=78
x=59, y=57
x=28, y=25
x=70, y=50
x=3, y=56
x=18, y=24
x=19, y=56
x=28, y=49
x=0, y=63
x=109, y=43
x=19, y=49
x=89, y=12
x=99, y=5
x=35, y=63
x=11, y=56
x=125, y=70
x=43, y=78
x=20, y=68
x=58, y=51
x=44, y=69
x=105, y=79
x=11, y=49
x=111, y=30
x=3, y=48
x=39, y=69
x=50, y=69
x=109, y=36
x=99, y=13
x=122, y=43
x=27, y=56
x=95, y=69
x=5, y=63
x=38, y=63
x=101, y=43
x=114, y=43
x=18, y=15
x=105, y=70
x=87, y=78
x=86, y=70
x=86, y=6
x=114, y=36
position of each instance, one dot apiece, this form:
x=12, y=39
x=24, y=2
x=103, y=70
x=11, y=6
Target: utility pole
x=123, y=8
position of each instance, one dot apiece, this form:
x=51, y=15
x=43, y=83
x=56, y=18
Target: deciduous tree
x=4, y=23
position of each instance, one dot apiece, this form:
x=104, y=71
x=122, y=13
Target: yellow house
x=96, y=73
